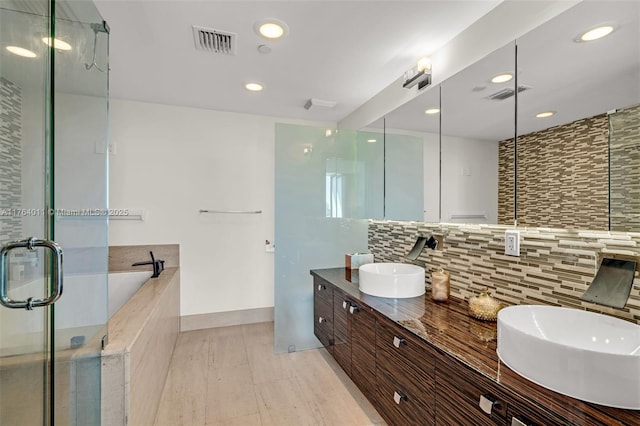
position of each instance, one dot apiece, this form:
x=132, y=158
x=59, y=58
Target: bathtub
x=123, y=285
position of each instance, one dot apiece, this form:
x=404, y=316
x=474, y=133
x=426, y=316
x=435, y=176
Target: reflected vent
x=214, y=41
x=506, y=93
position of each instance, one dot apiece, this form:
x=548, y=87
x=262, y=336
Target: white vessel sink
x=588, y=356
x=397, y=280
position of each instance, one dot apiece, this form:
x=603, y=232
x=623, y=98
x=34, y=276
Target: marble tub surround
x=135, y=362
x=555, y=267
x=122, y=257
x=453, y=333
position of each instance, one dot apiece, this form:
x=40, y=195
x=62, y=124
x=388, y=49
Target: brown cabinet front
x=342, y=330
x=363, y=349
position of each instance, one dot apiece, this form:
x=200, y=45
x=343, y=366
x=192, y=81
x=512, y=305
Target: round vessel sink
x=396, y=280
x=585, y=355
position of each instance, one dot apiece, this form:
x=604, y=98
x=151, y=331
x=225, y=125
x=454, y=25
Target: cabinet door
x=342, y=329
x=363, y=349
x=459, y=391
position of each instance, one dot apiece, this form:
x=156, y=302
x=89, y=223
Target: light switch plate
x=512, y=243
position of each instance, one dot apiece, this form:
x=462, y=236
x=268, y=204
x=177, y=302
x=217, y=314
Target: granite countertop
x=449, y=328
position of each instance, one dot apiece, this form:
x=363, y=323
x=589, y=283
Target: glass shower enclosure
x=53, y=211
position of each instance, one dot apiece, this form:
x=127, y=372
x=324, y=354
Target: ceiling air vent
x=506, y=93
x=215, y=41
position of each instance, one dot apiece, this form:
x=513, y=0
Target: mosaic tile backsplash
x=555, y=266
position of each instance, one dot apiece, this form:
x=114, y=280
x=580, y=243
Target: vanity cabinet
x=406, y=376
x=410, y=380
x=323, y=313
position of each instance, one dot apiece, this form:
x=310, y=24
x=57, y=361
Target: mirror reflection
x=579, y=113
x=412, y=172
x=477, y=123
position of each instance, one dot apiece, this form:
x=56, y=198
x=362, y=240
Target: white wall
x=173, y=161
x=469, y=179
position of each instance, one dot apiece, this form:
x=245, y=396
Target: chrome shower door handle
x=30, y=303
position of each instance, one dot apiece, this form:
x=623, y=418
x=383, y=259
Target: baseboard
x=225, y=319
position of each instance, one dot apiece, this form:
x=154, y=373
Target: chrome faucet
x=158, y=265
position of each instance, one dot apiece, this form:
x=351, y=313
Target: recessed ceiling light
x=371, y=140
x=271, y=29
x=545, y=114
x=432, y=111
x=254, y=87
x=502, y=78
x=21, y=52
x=57, y=43
x=596, y=33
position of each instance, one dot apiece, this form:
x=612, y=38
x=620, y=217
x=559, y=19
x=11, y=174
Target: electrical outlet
x=512, y=243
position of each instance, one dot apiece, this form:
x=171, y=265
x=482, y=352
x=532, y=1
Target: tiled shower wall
x=10, y=160
x=562, y=176
x=555, y=266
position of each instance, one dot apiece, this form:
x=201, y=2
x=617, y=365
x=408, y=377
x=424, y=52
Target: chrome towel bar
x=232, y=211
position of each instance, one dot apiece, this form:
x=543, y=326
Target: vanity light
x=254, y=87
x=502, y=78
x=21, y=52
x=545, y=114
x=372, y=140
x=271, y=29
x=596, y=33
x=57, y=43
x=420, y=74
x=432, y=111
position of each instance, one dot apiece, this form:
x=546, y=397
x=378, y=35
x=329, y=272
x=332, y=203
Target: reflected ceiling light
x=502, y=78
x=372, y=140
x=545, y=114
x=254, y=87
x=432, y=111
x=25, y=53
x=596, y=33
x=57, y=43
x=271, y=29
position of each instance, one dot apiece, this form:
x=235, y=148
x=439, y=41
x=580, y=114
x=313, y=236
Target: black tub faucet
x=158, y=265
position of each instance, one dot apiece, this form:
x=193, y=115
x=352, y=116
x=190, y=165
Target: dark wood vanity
x=424, y=363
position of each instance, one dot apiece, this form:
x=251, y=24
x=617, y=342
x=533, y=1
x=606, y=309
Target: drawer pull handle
x=398, y=397
x=346, y=304
x=488, y=403
x=521, y=421
x=321, y=287
x=321, y=320
x=353, y=309
x=397, y=341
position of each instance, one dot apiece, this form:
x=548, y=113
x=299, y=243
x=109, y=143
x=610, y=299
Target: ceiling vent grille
x=214, y=41
x=506, y=93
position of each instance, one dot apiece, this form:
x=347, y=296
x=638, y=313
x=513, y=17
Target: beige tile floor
x=230, y=376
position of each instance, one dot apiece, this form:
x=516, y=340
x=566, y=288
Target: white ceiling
x=342, y=51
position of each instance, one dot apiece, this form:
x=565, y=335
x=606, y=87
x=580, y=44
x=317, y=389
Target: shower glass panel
x=53, y=185
x=327, y=184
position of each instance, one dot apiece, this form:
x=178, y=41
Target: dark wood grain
x=410, y=411
x=471, y=344
x=342, y=330
x=363, y=350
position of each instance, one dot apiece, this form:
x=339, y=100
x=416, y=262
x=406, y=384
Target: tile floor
x=230, y=376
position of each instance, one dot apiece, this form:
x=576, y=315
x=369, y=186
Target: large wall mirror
x=477, y=120
x=411, y=158
x=578, y=162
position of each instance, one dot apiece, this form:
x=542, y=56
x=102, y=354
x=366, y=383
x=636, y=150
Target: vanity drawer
x=459, y=390
x=322, y=290
x=400, y=405
x=323, y=322
x=403, y=347
x=342, y=330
